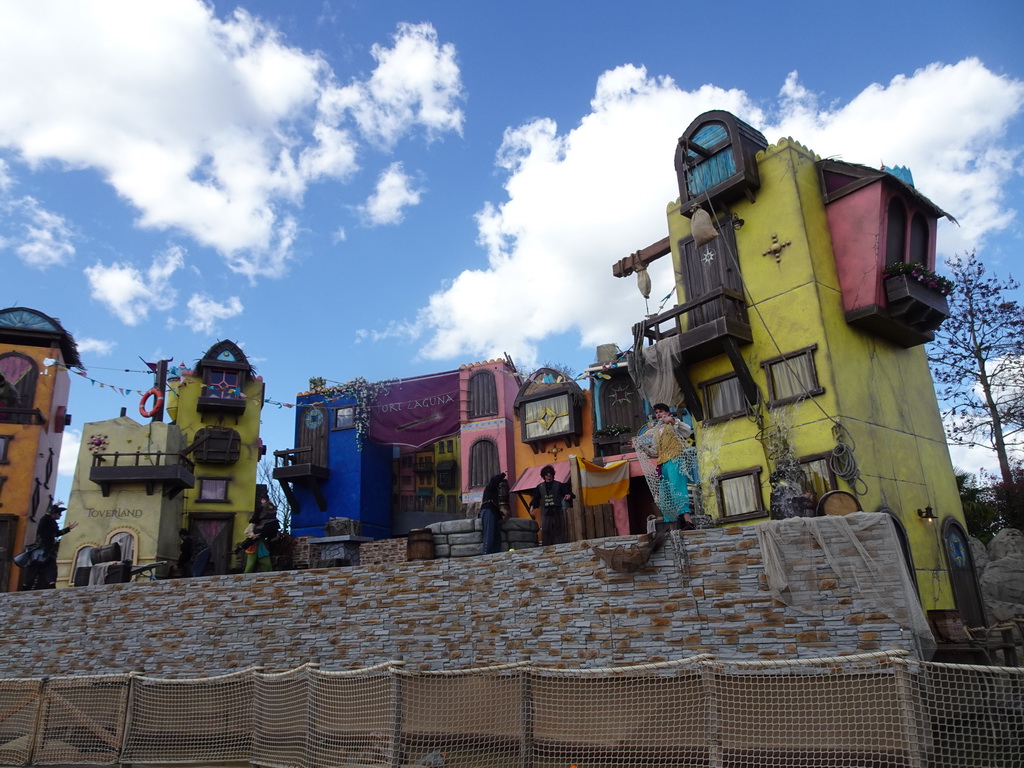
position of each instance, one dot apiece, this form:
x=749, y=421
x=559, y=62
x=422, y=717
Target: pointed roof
x=21, y=325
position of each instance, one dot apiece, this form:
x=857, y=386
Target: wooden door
x=706, y=269
x=963, y=575
x=216, y=532
x=313, y=435
x=621, y=403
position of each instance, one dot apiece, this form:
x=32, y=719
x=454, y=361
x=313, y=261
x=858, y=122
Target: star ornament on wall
x=708, y=255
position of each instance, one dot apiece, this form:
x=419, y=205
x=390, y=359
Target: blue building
x=334, y=471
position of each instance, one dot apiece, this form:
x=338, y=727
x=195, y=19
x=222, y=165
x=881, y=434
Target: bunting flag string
x=182, y=372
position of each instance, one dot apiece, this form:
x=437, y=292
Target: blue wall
x=360, y=483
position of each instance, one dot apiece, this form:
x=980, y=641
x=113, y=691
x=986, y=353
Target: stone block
x=454, y=526
x=457, y=539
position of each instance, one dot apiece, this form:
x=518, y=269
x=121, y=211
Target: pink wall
x=499, y=428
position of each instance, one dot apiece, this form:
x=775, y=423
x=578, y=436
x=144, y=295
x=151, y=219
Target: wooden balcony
x=712, y=323
x=221, y=403
x=613, y=445
x=910, y=316
x=27, y=416
x=293, y=467
x=172, y=471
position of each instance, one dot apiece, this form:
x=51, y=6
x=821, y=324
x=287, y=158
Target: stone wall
x=704, y=591
x=383, y=551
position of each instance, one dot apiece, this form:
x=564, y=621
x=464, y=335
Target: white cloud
x=42, y=238
x=204, y=312
x=6, y=180
x=69, y=447
x=579, y=200
x=99, y=347
x=392, y=194
x=131, y=294
x=416, y=82
x=214, y=127
x=396, y=329
x=946, y=122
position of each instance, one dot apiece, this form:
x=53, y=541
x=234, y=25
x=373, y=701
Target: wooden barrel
x=420, y=545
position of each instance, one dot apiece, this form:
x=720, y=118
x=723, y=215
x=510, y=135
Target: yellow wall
x=29, y=455
x=153, y=519
x=882, y=394
x=183, y=396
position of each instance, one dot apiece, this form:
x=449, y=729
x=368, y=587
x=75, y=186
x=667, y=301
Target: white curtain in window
x=213, y=490
x=725, y=397
x=127, y=542
x=817, y=474
x=793, y=377
x=739, y=495
x=547, y=417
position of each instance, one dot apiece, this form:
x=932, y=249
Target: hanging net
x=669, y=462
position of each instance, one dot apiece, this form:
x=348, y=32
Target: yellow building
x=127, y=490
x=796, y=345
x=217, y=407
x=34, y=388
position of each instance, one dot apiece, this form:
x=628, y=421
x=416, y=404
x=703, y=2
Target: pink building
x=488, y=436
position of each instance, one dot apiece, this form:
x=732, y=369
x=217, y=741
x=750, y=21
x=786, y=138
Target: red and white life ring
x=158, y=403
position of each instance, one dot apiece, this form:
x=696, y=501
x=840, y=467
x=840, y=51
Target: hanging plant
x=612, y=430
x=364, y=392
x=919, y=273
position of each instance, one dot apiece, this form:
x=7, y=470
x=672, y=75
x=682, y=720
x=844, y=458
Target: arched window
x=483, y=395
x=18, y=387
x=483, y=463
x=895, y=232
x=918, y=240
x=82, y=559
x=127, y=541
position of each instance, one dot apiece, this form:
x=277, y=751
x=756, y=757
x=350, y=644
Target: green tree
x=982, y=516
x=977, y=362
x=265, y=475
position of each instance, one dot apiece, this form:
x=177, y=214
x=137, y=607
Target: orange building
x=35, y=351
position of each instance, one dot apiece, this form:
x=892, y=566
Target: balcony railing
x=28, y=416
x=173, y=471
x=702, y=323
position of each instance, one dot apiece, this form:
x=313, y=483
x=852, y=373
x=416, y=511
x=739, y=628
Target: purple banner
x=418, y=411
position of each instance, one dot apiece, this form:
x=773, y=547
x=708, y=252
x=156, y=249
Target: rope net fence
x=878, y=710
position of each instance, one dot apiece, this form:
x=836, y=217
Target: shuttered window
x=483, y=463
x=483, y=395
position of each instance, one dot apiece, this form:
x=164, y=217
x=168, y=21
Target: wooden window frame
x=761, y=511
x=201, y=481
x=816, y=388
x=719, y=418
x=830, y=475
x=5, y=447
x=347, y=421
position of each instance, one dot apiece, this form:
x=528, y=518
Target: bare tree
x=977, y=361
x=265, y=475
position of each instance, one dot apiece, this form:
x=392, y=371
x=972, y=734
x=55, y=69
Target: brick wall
x=705, y=591
x=383, y=551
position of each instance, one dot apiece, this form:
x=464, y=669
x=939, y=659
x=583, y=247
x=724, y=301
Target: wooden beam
x=643, y=257
x=693, y=404
x=739, y=365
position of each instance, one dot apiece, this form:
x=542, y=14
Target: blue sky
x=385, y=189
